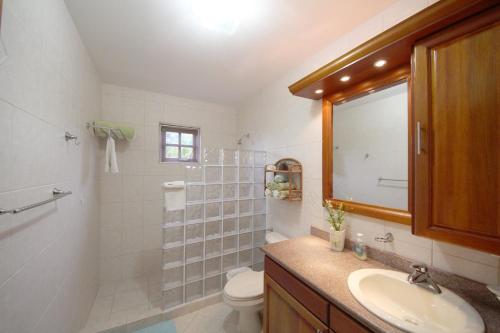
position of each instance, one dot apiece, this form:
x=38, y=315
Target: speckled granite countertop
x=310, y=259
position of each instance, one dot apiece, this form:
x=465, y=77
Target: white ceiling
x=158, y=45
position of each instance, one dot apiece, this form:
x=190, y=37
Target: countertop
x=311, y=260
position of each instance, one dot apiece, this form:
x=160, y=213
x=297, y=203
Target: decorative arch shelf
x=283, y=180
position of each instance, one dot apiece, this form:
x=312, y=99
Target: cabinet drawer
x=316, y=304
x=343, y=323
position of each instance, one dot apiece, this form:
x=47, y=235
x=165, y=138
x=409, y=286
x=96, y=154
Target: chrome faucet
x=421, y=277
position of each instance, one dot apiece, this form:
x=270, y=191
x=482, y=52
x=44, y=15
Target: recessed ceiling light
x=380, y=63
x=318, y=91
x=345, y=78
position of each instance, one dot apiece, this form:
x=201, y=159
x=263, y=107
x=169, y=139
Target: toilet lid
x=247, y=285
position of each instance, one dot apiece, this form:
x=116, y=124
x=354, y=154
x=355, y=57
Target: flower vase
x=337, y=239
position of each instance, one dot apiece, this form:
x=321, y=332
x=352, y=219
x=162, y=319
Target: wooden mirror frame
x=379, y=82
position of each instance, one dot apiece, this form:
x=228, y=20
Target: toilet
x=244, y=292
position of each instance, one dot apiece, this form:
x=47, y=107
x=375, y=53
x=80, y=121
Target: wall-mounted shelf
x=283, y=180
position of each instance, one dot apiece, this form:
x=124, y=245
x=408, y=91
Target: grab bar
x=56, y=194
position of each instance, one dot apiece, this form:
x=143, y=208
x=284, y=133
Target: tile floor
x=118, y=304
x=216, y=318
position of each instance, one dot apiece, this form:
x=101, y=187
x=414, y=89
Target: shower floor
x=127, y=302
x=121, y=303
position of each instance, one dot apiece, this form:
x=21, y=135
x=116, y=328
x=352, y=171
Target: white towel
x=111, y=163
x=175, y=195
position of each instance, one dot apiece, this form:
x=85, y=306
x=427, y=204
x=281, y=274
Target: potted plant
x=337, y=227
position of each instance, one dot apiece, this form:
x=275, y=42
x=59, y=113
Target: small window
x=179, y=144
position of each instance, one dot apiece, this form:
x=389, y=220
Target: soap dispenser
x=360, y=247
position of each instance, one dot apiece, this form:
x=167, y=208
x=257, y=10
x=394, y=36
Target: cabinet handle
x=419, y=138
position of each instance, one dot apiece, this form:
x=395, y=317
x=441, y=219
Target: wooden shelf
x=295, y=179
x=283, y=171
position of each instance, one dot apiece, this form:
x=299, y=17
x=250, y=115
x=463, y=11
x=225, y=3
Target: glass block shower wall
x=221, y=228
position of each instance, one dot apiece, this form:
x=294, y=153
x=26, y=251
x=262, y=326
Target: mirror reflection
x=370, y=148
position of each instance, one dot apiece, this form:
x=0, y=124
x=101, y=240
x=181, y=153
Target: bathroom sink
x=389, y=296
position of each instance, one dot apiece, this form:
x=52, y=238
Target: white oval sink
x=388, y=295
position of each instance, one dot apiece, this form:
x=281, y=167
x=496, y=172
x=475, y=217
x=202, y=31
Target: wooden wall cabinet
x=290, y=306
x=456, y=104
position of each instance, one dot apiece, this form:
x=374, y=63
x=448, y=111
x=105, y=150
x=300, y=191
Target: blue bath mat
x=167, y=326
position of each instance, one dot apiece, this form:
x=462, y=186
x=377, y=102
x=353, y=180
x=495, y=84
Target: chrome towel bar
x=56, y=194
x=392, y=179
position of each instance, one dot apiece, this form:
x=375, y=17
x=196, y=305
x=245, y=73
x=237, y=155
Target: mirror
x=367, y=148
x=370, y=148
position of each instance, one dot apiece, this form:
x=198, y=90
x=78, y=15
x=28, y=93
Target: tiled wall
x=48, y=255
x=293, y=129
x=131, y=201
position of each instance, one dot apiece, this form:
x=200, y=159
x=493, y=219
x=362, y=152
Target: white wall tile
x=111, y=215
x=111, y=189
x=132, y=265
x=467, y=254
x=132, y=239
x=6, y=113
x=469, y=269
x=152, y=237
x=132, y=188
x=132, y=162
x=153, y=212
x=133, y=213
x=133, y=111
x=138, y=186
x=111, y=242
x=110, y=270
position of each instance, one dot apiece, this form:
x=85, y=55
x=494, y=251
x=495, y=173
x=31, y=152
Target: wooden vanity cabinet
x=284, y=314
x=290, y=306
x=456, y=101
x=340, y=322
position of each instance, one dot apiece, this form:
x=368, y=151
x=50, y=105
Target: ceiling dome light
x=380, y=63
x=318, y=91
x=223, y=15
x=218, y=15
x=345, y=78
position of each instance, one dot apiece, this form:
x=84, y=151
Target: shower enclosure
x=221, y=228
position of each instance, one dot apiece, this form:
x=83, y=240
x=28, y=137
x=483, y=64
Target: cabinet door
x=456, y=100
x=284, y=314
x=340, y=322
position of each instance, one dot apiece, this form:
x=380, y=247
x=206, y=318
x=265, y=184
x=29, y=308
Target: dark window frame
x=164, y=128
